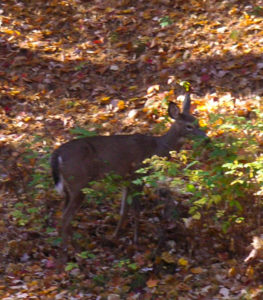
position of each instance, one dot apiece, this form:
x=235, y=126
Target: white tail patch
x=60, y=185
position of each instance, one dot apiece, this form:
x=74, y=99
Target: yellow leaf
x=232, y=272
x=27, y=119
x=146, y=15
x=104, y=99
x=14, y=92
x=134, y=99
x=219, y=132
x=202, y=123
x=250, y=272
x=202, y=108
x=121, y=105
x=33, y=283
x=127, y=11
x=246, y=16
x=183, y=262
x=133, y=87
x=9, y=31
x=109, y=9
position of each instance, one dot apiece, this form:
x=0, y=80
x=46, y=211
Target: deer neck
x=170, y=141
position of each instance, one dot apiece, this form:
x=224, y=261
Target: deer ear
x=173, y=110
x=187, y=104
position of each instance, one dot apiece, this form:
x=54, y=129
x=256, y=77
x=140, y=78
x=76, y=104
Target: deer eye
x=189, y=127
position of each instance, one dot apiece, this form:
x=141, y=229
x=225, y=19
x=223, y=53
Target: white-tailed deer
x=80, y=161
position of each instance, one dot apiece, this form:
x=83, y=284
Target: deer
x=80, y=161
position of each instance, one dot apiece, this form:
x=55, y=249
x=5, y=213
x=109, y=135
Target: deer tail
x=55, y=167
x=55, y=162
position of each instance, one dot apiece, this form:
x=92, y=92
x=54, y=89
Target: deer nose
x=202, y=135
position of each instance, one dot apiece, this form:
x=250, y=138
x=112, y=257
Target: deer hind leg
x=123, y=212
x=67, y=199
x=73, y=203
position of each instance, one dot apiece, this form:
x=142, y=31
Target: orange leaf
x=197, y=270
x=152, y=283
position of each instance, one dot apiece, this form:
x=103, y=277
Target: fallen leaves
x=168, y=257
x=108, y=67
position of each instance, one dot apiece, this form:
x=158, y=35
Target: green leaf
x=201, y=201
x=165, y=21
x=129, y=199
x=133, y=266
x=190, y=188
x=86, y=254
x=81, y=132
x=186, y=85
x=70, y=266
x=196, y=215
x=234, y=35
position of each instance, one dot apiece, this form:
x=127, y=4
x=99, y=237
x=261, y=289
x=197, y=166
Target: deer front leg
x=137, y=194
x=136, y=211
x=123, y=211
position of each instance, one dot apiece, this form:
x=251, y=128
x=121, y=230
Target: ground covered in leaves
x=107, y=66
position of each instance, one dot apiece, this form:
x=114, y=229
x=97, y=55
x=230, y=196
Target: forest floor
x=107, y=66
